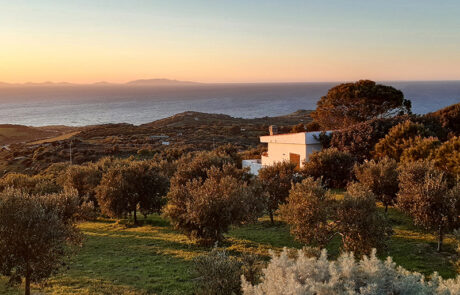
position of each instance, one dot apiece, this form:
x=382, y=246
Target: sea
x=78, y=105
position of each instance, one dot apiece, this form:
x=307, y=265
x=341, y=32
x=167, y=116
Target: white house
x=292, y=147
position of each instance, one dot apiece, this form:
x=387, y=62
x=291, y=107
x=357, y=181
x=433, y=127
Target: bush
x=420, y=149
x=449, y=117
x=37, y=184
x=276, y=181
x=424, y=194
x=447, y=157
x=333, y=166
x=219, y=273
x=381, y=178
x=204, y=210
x=399, y=138
x=311, y=275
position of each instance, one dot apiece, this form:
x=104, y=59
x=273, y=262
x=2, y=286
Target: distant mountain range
x=141, y=82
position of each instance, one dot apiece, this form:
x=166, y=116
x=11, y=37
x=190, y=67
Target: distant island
x=140, y=82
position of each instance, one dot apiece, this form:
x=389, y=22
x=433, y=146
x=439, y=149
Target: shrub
x=424, y=194
x=333, y=166
x=217, y=273
x=312, y=275
x=447, y=157
x=399, y=138
x=37, y=184
x=34, y=233
x=350, y=103
x=381, y=178
x=420, y=149
x=449, y=117
x=276, y=181
x=204, y=210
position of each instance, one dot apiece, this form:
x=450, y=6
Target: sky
x=85, y=41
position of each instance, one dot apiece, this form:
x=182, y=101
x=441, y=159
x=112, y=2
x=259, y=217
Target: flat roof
x=293, y=138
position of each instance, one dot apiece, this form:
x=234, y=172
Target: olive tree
x=424, y=194
x=34, y=233
x=381, y=178
x=129, y=188
x=334, y=167
x=276, y=181
x=204, y=209
x=315, y=217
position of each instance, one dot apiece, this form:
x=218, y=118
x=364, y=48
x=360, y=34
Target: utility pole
x=70, y=152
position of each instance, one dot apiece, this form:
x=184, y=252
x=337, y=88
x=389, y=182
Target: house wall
x=279, y=152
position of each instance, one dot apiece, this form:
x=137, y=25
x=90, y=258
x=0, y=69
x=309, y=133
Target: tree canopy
x=351, y=103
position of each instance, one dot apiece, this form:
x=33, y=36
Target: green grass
x=155, y=259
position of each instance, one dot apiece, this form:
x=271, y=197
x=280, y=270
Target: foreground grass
x=155, y=259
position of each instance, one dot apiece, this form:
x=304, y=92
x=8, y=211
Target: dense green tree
x=350, y=103
x=276, y=181
x=34, y=233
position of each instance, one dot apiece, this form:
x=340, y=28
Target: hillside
x=184, y=132
x=10, y=134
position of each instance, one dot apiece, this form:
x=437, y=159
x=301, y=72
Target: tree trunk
x=27, y=291
x=270, y=212
x=386, y=208
x=135, y=216
x=440, y=238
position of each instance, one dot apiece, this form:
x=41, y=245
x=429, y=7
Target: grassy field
x=155, y=259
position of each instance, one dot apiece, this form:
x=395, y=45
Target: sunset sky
x=229, y=41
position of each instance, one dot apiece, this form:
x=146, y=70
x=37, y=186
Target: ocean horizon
x=101, y=104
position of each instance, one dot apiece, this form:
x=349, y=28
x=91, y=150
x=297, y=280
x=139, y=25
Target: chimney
x=273, y=129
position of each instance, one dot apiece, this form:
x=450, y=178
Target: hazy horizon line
x=166, y=82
